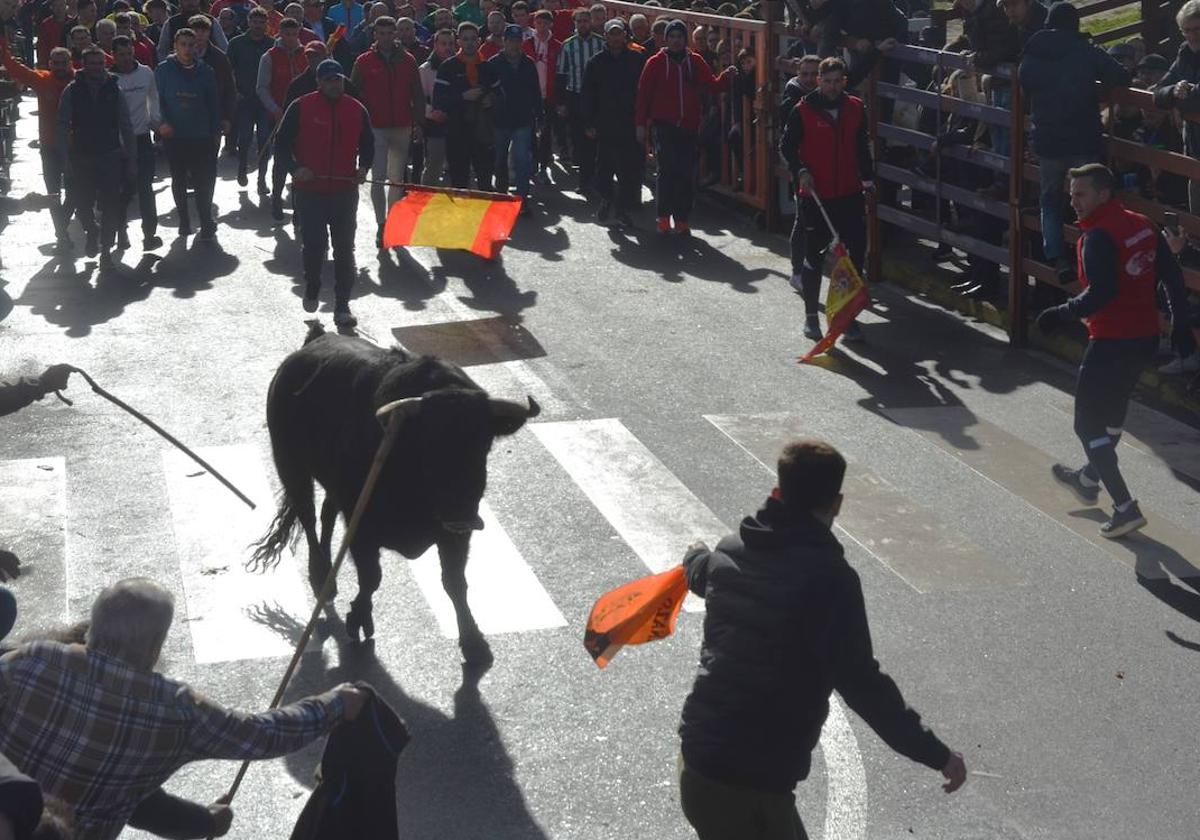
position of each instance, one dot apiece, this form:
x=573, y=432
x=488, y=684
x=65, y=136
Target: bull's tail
x=280, y=535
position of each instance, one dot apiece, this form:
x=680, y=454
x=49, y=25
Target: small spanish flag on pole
x=338, y=34
x=847, y=295
x=479, y=222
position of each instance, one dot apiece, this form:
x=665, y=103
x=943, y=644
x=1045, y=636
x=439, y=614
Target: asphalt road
x=1063, y=668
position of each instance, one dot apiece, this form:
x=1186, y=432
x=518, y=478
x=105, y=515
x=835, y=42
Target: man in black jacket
x=610, y=82
x=1180, y=88
x=96, y=134
x=785, y=626
x=461, y=93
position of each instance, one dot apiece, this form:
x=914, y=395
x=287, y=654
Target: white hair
x=130, y=620
x=1188, y=11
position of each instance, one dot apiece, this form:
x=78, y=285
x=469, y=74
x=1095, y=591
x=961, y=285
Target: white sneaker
x=1179, y=365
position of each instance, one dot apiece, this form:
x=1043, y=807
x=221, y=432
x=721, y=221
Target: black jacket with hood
x=785, y=626
x=1185, y=68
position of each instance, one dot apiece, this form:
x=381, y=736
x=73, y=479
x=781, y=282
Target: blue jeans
x=252, y=116
x=1001, y=137
x=521, y=141
x=1052, y=177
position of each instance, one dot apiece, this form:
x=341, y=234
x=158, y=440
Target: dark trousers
x=550, y=125
x=54, y=174
x=675, y=150
x=251, y=119
x=165, y=815
x=583, y=148
x=96, y=181
x=193, y=161
x=718, y=811
x=326, y=217
x=464, y=154
x=811, y=236
x=1108, y=374
x=142, y=184
x=620, y=157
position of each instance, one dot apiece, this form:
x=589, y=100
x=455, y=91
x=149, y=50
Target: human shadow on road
x=455, y=779
x=540, y=234
x=250, y=216
x=676, y=258
x=190, y=268
x=80, y=298
x=492, y=289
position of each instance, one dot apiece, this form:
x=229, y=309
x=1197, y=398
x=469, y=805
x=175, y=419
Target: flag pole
x=451, y=191
x=816, y=198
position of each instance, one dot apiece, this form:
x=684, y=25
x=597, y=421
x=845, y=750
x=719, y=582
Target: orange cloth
x=472, y=66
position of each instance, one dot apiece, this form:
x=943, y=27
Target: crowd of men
x=479, y=95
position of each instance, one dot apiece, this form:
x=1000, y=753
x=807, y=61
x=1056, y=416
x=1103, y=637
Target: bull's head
x=450, y=434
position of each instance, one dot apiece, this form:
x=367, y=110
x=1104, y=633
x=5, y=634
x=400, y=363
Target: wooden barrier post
x=1017, y=320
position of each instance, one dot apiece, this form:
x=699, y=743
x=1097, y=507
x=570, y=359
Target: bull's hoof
x=476, y=652
x=358, y=626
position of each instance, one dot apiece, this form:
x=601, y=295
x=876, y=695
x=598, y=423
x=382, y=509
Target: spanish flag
x=846, y=298
x=478, y=222
x=338, y=34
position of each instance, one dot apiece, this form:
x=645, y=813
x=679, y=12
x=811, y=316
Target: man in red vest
x=276, y=69
x=389, y=84
x=825, y=145
x=1121, y=258
x=321, y=135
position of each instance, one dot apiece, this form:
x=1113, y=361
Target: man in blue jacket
x=1058, y=73
x=785, y=627
x=518, y=105
x=191, y=129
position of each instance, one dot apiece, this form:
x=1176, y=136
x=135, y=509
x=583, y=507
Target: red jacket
x=488, y=49
x=390, y=89
x=1133, y=313
x=553, y=48
x=830, y=147
x=49, y=91
x=49, y=36
x=327, y=141
x=564, y=23
x=284, y=68
x=669, y=91
x=144, y=52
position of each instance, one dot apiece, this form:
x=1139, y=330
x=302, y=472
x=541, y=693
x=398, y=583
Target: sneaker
x=682, y=227
x=1065, y=269
x=123, y=240
x=208, y=232
x=812, y=328
x=663, y=224
x=854, y=334
x=1180, y=364
x=343, y=318
x=1123, y=522
x=1075, y=482
x=603, y=212
x=149, y=243
x=243, y=180
x=93, y=244
x=623, y=219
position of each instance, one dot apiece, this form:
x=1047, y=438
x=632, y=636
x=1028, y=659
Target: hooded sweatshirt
x=1058, y=75
x=785, y=625
x=671, y=87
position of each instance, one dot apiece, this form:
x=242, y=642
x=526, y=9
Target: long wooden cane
x=395, y=420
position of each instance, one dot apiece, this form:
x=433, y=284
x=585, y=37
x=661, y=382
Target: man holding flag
x=321, y=135
x=785, y=626
x=826, y=147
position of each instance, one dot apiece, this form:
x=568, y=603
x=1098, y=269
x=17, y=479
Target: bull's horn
x=512, y=408
x=406, y=408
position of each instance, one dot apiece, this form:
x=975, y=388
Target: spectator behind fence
x=99, y=728
x=800, y=85
x=1180, y=88
x=1058, y=74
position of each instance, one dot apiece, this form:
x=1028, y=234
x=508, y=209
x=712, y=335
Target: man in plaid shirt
x=97, y=727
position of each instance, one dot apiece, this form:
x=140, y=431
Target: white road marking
x=651, y=509
x=230, y=611
x=504, y=594
x=33, y=516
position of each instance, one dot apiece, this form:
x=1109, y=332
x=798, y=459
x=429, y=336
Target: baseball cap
x=329, y=67
x=315, y=46
x=1154, y=61
x=613, y=24
x=514, y=31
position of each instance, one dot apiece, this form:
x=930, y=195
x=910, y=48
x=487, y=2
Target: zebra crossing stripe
x=33, y=515
x=651, y=509
x=504, y=594
x=232, y=613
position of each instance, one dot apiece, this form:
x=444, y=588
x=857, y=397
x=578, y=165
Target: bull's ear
x=508, y=416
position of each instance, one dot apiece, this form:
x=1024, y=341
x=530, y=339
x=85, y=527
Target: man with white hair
x=99, y=728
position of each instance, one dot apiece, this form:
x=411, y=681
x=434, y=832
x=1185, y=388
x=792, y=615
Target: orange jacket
x=49, y=91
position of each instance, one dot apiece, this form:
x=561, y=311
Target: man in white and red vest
x=319, y=140
x=1121, y=259
x=276, y=69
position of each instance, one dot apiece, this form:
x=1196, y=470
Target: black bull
x=325, y=410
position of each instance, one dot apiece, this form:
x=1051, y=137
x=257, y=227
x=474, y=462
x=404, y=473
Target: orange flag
x=641, y=611
x=846, y=298
x=441, y=218
x=338, y=34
